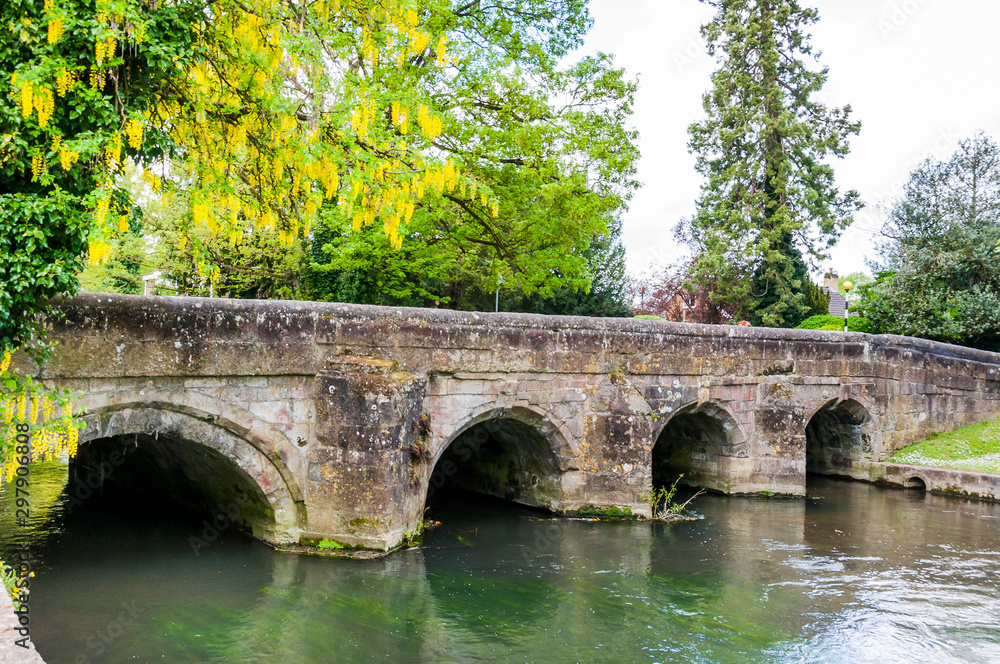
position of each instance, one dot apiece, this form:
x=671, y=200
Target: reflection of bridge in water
x=327, y=420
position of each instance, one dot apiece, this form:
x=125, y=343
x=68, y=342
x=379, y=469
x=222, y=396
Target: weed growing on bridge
x=330, y=545
x=661, y=501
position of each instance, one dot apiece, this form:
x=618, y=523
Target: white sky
x=919, y=74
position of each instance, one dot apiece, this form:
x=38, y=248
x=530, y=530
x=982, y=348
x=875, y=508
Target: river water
x=851, y=574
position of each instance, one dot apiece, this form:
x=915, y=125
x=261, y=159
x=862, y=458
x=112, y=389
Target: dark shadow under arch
x=191, y=462
x=502, y=457
x=177, y=471
x=700, y=444
x=836, y=443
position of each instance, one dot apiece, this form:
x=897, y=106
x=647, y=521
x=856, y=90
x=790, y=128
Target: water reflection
x=851, y=574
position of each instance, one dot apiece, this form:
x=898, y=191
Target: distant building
x=838, y=304
x=154, y=280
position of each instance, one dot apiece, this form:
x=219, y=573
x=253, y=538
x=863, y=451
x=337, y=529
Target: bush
x=834, y=323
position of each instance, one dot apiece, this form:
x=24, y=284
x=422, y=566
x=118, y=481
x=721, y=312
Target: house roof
x=838, y=304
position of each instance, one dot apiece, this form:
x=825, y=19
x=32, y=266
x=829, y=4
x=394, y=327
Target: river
x=854, y=573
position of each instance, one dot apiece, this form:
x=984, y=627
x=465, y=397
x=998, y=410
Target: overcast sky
x=919, y=74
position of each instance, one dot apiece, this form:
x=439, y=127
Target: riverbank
x=942, y=481
x=10, y=653
x=963, y=463
x=975, y=449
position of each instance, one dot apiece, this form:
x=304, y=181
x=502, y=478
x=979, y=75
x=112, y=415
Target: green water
x=855, y=574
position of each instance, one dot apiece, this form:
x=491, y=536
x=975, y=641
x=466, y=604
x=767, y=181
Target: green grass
x=975, y=448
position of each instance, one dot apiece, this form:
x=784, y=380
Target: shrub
x=834, y=323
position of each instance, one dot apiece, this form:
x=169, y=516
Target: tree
x=769, y=192
x=608, y=295
x=382, y=113
x=817, y=300
x=937, y=277
x=673, y=291
x=548, y=140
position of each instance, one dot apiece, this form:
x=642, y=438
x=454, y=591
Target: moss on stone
x=607, y=512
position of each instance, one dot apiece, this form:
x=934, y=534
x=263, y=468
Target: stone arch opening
x=183, y=460
x=701, y=444
x=915, y=483
x=836, y=440
x=506, y=455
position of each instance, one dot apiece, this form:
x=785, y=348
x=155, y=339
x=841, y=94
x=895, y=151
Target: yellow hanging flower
x=67, y=158
x=133, y=131
x=45, y=104
x=63, y=82
x=38, y=167
x=56, y=29
x=27, y=98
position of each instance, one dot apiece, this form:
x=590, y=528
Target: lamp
x=848, y=285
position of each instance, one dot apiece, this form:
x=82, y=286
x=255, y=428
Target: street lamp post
x=847, y=303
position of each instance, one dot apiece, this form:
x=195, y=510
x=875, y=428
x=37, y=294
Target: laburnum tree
x=255, y=115
x=764, y=149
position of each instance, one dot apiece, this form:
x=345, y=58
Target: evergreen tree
x=817, y=300
x=771, y=290
x=769, y=192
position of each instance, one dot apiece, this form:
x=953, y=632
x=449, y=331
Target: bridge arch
x=704, y=442
x=838, y=439
x=196, y=459
x=517, y=454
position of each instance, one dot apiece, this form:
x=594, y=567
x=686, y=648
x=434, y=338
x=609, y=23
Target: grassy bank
x=975, y=448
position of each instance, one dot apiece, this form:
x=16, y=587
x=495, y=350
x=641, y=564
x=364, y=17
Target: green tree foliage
x=817, y=300
x=938, y=276
x=764, y=149
x=609, y=292
x=433, y=270
x=545, y=159
x=550, y=141
x=770, y=289
x=40, y=253
x=45, y=209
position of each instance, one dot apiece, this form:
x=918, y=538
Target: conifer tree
x=769, y=193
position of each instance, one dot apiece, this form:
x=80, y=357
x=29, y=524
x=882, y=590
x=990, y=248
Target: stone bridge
x=334, y=421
